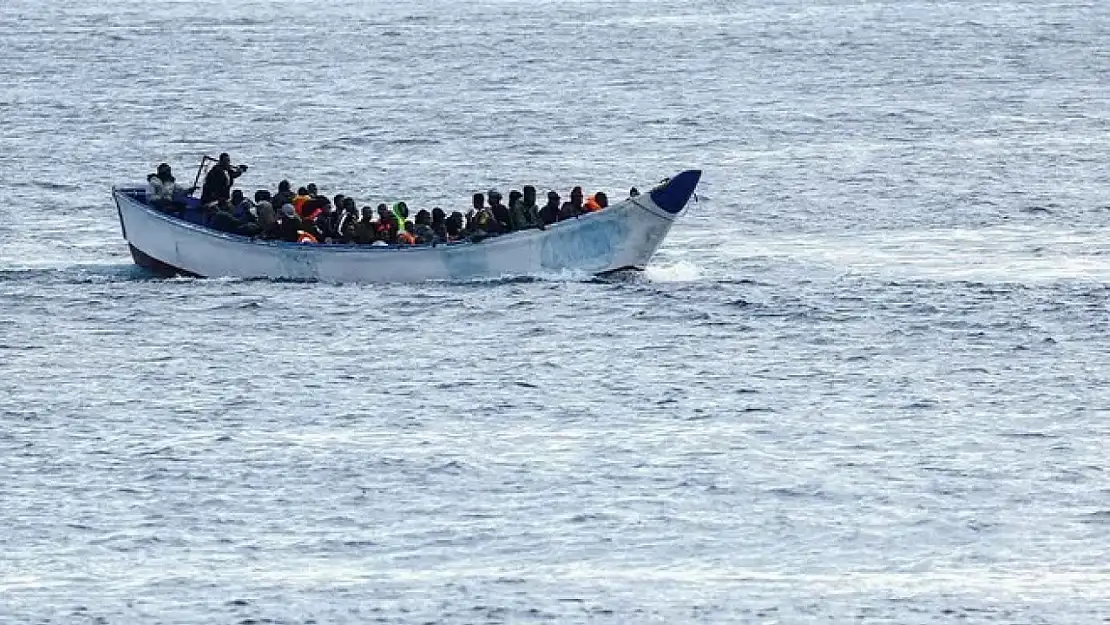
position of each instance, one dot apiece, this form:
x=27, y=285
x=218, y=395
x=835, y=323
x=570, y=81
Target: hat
x=288, y=210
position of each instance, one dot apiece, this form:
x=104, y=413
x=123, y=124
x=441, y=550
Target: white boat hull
x=623, y=236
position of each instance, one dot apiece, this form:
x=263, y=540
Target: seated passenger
x=299, y=201
x=346, y=225
x=602, y=200
x=267, y=220
x=591, y=205
x=289, y=224
x=284, y=195
x=163, y=192
x=524, y=213
x=501, y=219
x=549, y=214
x=573, y=208
x=312, y=190
x=439, y=223
x=514, y=197
x=386, y=227
x=222, y=219
x=633, y=192
x=401, y=213
x=364, y=227
x=454, y=226
x=422, y=229
x=481, y=222
x=242, y=207
x=478, y=203
x=404, y=237
x=315, y=208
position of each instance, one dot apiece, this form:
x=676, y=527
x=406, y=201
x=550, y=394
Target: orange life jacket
x=298, y=203
x=591, y=205
x=305, y=237
x=405, y=238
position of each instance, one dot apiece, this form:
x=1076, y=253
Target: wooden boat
x=622, y=236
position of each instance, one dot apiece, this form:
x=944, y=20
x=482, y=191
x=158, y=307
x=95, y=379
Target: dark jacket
x=549, y=214
x=502, y=219
x=217, y=184
x=569, y=211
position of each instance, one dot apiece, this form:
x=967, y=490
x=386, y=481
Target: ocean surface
x=865, y=380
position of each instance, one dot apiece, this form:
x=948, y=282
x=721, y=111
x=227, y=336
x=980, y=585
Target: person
x=289, y=225
x=501, y=220
x=401, y=213
x=514, y=197
x=478, y=204
x=242, y=207
x=284, y=195
x=423, y=228
x=313, y=191
x=549, y=214
x=523, y=211
x=602, y=200
x=573, y=208
x=633, y=192
x=300, y=200
x=386, y=228
x=164, y=193
x=364, y=229
x=405, y=237
x=454, y=226
x=590, y=205
x=480, y=222
x=217, y=184
x=267, y=220
x=338, y=203
x=439, y=223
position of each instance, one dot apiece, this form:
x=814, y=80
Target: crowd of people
x=307, y=216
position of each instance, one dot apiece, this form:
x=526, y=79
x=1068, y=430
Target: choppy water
x=866, y=379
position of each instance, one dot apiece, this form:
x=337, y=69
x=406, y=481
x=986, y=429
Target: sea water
x=864, y=380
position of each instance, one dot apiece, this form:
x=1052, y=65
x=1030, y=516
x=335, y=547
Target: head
x=494, y=197
x=529, y=195
x=383, y=213
x=479, y=201
x=302, y=191
x=633, y=192
x=262, y=195
x=553, y=198
x=409, y=226
x=348, y=204
x=438, y=216
x=367, y=214
x=423, y=218
x=601, y=199
x=265, y=211
x=454, y=223
x=402, y=209
x=164, y=172
x=576, y=196
x=514, y=197
x=284, y=186
x=338, y=199
x=312, y=190
x=225, y=159
x=236, y=197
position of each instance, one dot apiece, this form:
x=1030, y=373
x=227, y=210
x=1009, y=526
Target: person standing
x=217, y=184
